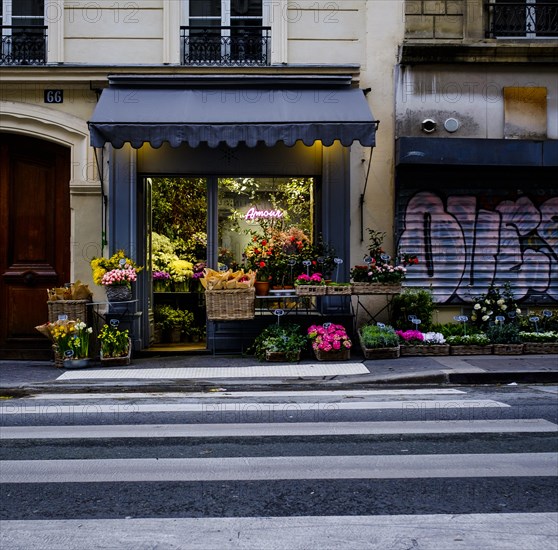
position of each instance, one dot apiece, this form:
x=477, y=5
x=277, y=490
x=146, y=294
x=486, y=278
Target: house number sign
x=54, y=96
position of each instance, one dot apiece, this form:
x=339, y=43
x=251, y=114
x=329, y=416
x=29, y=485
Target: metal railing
x=23, y=45
x=527, y=19
x=226, y=46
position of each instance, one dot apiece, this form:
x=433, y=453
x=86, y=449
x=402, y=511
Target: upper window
x=225, y=32
x=523, y=18
x=23, y=32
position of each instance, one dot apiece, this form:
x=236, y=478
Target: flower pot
x=118, y=293
x=77, y=363
x=121, y=361
x=262, y=288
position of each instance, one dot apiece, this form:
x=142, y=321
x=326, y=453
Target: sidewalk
x=206, y=372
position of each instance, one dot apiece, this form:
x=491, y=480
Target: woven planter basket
x=279, y=357
x=230, y=305
x=339, y=355
x=74, y=309
x=540, y=347
x=311, y=290
x=118, y=293
x=427, y=349
x=375, y=288
x=507, y=349
x=471, y=350
x=338, y=290
x=117, y=361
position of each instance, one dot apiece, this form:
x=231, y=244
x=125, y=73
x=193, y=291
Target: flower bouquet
x=161, y=280
x=181, y=271
x=70, y=342
x=330, y=342
x=116, y=274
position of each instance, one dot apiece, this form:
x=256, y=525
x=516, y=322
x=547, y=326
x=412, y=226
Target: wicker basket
x=58, y=359
x=471, y=350
x=74, y=309
x=540, y=347
x=507, y=349
x=338, y=290
x=230, y=305
x=117, y=361
x=337, y=355
x=311, y=290
x=375, y=288
x=279, y=357
x=425, y=349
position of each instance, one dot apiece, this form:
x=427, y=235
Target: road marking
x=255, y=394
x=20, y=408
x=285, y=429
x=280, y=468
x=535, y=531
x=277, y=370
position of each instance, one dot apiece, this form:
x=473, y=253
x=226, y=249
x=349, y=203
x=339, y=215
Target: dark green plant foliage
x=169, y=317
x=374, y=336
x=287, y=339
x=412, y=301
x=504, y=333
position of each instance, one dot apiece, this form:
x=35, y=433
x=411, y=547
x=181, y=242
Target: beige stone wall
x=434, y=19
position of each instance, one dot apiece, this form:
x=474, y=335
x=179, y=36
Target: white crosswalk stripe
x=240, y=476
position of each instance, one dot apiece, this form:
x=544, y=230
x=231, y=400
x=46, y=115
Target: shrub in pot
x=279, y=342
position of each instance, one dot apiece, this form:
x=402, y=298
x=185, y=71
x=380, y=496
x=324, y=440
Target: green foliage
x=538, y=337
x=169, y=317
x=504, y=333
x=413, y=301
x=279, y=338
x=498, y=301
x=374, y=336
x=478, y=339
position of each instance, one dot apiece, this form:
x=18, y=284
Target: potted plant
x=116, y=274
x=379, y=341
x=161, y=281
x=171, y=321
x=279, y=343
x=412, y=303
x=310, y=285
x=505, y=338
x=71, y=343
x=470, y=344
x=415, y=342
x=497, y=302
x=539, y=342
x=116, y=346
x=330, y=342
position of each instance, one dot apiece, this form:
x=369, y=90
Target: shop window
x=23, y=32
x=228, y=32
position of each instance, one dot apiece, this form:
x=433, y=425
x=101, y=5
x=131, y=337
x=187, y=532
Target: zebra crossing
x=382, y=468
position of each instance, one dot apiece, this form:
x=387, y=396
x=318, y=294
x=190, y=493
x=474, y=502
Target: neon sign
x=255, y=214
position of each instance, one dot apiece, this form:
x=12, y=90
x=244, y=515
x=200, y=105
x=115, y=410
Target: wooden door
x=34, y=239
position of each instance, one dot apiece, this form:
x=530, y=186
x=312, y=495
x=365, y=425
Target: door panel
x=34, y=239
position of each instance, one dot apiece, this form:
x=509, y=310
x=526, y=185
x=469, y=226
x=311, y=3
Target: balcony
x=23, y=45
x=226, y=46
x=522, y=20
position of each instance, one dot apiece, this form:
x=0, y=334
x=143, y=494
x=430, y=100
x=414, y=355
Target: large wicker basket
x=375, y=288
x=230, y=305
x=425, y=349
x=311, y=290
x=338, y=290
x=74, y=309
x=338, y=355
x=507, y=349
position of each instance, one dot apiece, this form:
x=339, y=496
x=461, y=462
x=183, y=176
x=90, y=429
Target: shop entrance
x=197, y=222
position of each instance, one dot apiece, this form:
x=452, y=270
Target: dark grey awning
x=145, y=111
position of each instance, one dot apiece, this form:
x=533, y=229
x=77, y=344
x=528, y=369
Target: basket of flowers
x=310, y=285
x=415, y=342
x=330, y=342
x=70, y=342
x=116, y=345
x=116, y=274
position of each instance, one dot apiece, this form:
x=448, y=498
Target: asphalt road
x=389, y=469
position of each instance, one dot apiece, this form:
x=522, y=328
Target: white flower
x=434, y=338
x=500, y=301
x=504, y=307
x=477, y=306
x=518, y=311
x=485, y=317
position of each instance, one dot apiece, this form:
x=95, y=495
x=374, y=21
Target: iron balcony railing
x=226, y=46
x=23, y=45
x=523, y=19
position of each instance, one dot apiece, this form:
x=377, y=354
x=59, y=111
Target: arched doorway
x=34, y=239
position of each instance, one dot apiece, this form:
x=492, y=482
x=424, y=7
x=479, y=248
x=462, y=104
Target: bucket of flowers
x=161, y=281
x=116, y=346
x=70, y=343
x=330, y=342
x=116, y=274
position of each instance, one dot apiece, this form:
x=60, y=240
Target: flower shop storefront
x=208, y=173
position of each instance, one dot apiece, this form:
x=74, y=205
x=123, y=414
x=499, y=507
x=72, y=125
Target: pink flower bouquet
x=410, y=337
x=329, y=337
x=119, y=277
x=314, y=279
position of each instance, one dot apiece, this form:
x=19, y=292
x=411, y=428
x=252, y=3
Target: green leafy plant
x=286, y=339
x=114, y=342
x=504, y=333
x=539, y=337
x=375, y=336
x=417, y=302
x=478, y=339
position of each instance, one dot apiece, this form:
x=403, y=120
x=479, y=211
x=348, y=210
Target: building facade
x=76, y=185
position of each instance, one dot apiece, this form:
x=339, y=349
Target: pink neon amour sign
x=255, y=214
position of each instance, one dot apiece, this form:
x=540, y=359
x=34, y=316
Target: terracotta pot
x=262, y=288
